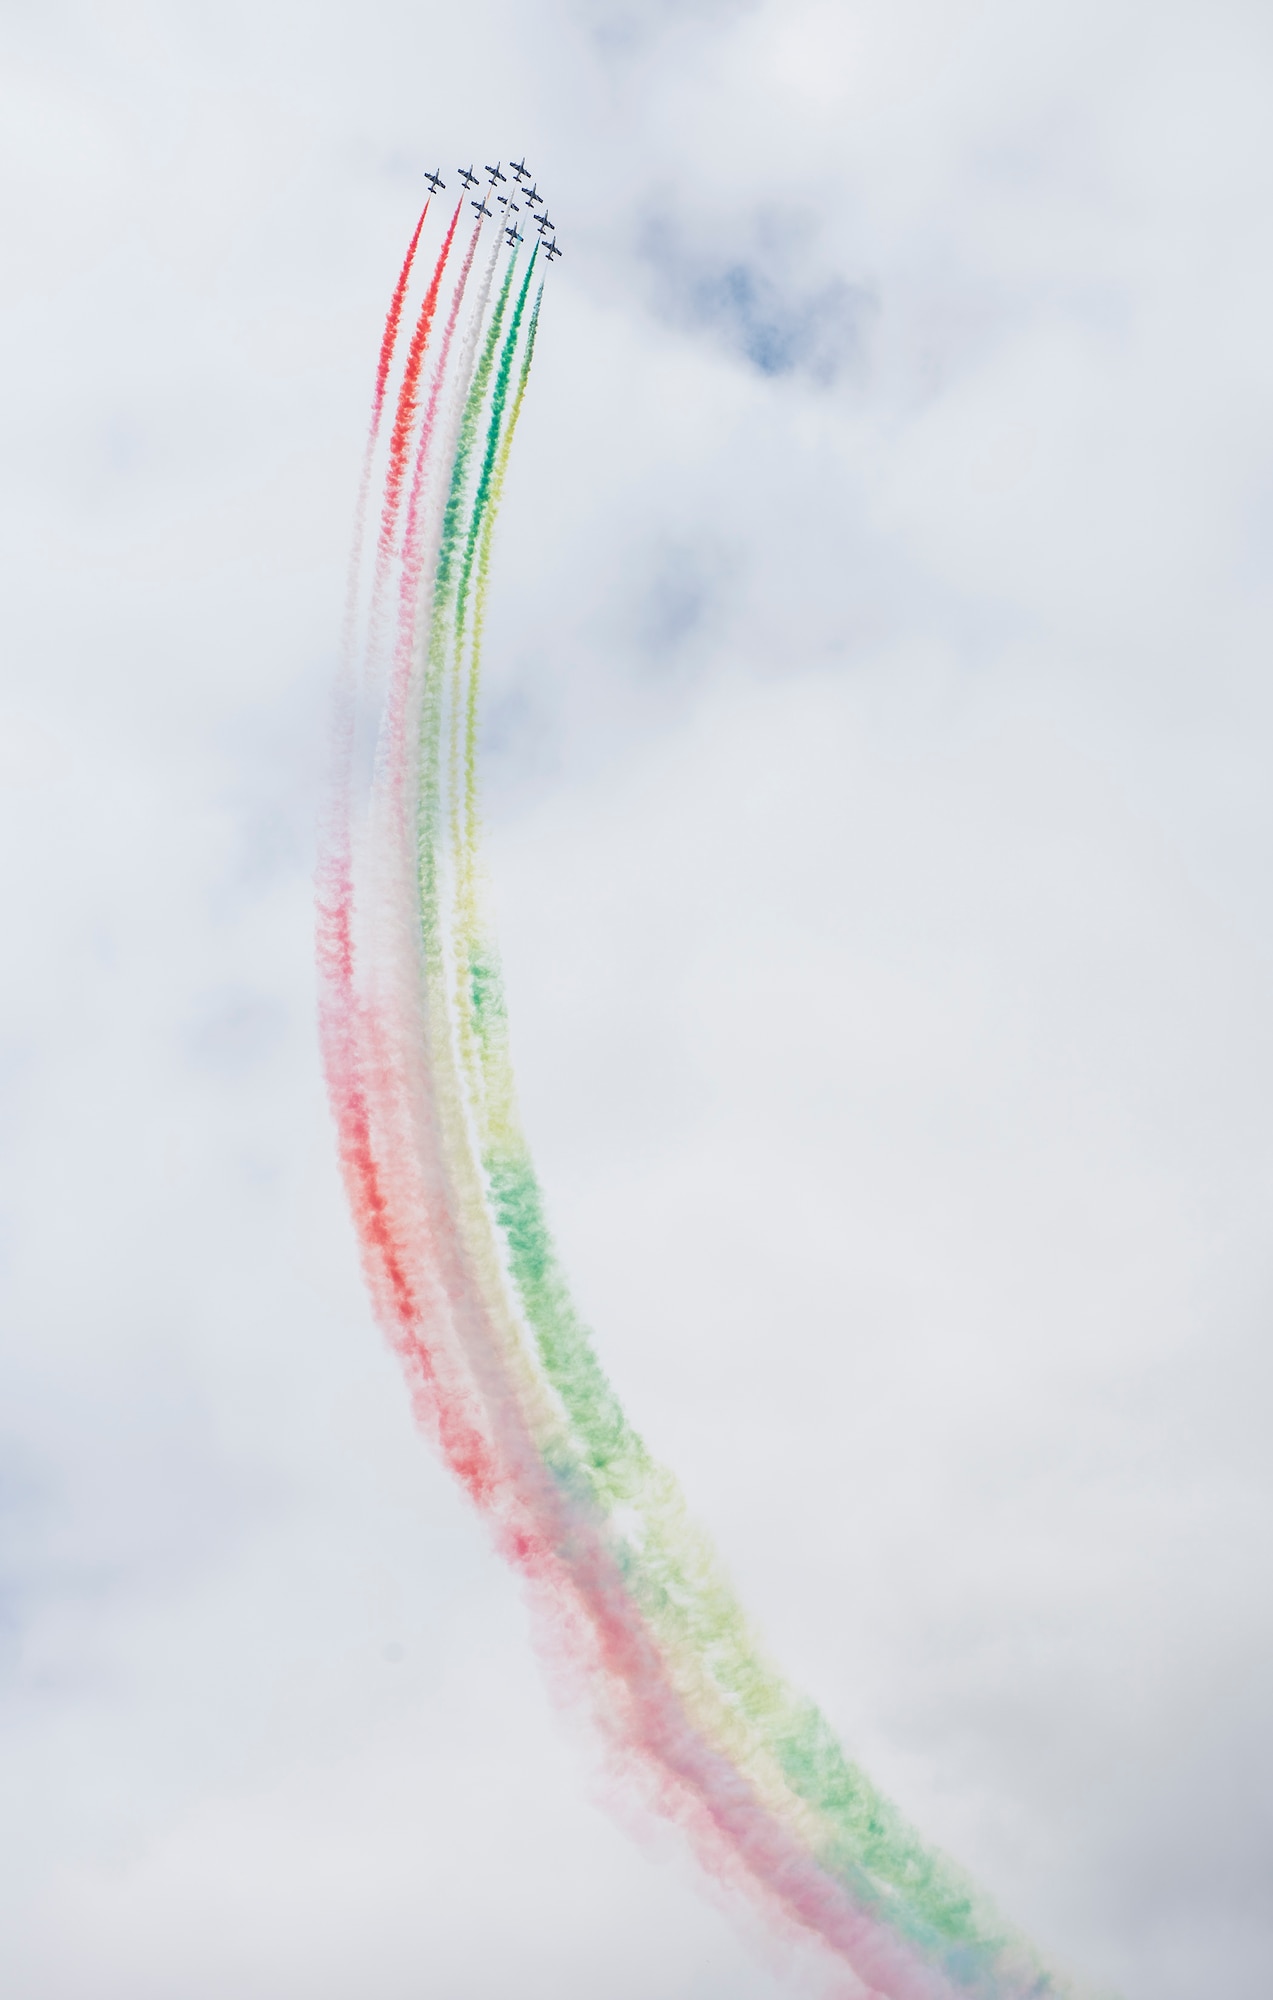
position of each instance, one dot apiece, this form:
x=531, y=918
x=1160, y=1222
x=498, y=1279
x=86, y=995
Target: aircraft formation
x=519, y=200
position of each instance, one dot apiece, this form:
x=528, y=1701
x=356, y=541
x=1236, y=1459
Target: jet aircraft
x=551, y=250
x=514, y=236
x=543, y=224
x=435, y=180
x=467, y=175
x=495, y=174
x=481, y=207
x=532, y=195
x=519, y=168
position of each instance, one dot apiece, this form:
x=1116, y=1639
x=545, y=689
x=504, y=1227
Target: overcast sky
x=877, y=756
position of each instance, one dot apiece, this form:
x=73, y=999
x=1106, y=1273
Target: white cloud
x=877, y=769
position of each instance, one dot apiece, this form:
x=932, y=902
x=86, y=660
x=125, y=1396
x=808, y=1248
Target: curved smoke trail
x=459, y=1261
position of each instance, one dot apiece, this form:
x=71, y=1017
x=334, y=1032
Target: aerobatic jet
x=551, y=250
x=514, y=236
x=532, y=195
x=519, y=168
x=467, y=175
x=481, y=207
x=495, y=174
x=506, y=201
x=435, y=180
x=543, y=224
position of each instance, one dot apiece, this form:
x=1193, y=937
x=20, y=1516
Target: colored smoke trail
x=388, y=342
x=405, y=414
x=460, y=1264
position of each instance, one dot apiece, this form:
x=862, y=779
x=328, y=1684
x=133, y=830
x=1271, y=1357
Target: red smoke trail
x=391, y=326
x=335, y=888
x=413, y=550
x=408, y=1303
x=388, y=342
x=399, y=442
x=344, y=1026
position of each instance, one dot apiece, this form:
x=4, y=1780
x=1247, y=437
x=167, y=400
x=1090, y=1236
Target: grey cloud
x=622, y=28
x=782, y=322
x=678, y=597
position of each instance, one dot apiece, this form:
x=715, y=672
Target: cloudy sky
x=876, y=755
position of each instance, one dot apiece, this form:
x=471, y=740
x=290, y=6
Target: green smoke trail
x=490, y=482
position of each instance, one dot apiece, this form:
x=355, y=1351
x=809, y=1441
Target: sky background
x=876, y=756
